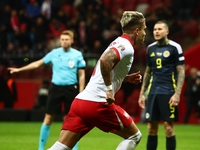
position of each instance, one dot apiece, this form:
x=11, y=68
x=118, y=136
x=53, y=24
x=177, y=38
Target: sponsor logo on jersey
x=166, y=54
x=83, y=62
x=147, y=115
x=121, y=47
x=159, y=54
x=71, y=63
x=172, y=116
x=112, y=44
x=152, y=54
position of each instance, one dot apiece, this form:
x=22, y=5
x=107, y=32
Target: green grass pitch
x=25, y=136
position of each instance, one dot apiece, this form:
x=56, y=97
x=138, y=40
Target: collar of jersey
x=163, y=45
x=126, y=37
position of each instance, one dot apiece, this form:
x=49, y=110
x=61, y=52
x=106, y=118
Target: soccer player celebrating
x=163, y=78
x=95, y=107
x=67, y=63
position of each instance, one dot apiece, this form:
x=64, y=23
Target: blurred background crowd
x=29, y=29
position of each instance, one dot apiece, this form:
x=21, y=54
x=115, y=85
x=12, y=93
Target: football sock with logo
x=59, y=146
x=152, y=142
x=75, y=147
x=171, y=143
x=44, y=134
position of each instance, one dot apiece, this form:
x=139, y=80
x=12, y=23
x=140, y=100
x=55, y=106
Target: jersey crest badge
x=71, y=63
x=152, y=54
x=159, y=54
x=121, y=47
x=166, y=53
x=147, y=115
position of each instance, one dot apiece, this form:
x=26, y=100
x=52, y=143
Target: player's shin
x=131, y=142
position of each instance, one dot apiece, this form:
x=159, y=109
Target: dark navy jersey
x=163, y=61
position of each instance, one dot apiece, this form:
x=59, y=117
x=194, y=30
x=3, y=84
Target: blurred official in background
x=67, y=63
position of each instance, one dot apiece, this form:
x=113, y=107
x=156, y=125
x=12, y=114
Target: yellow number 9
x=159, y=62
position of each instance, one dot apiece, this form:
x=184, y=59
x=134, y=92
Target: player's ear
x=167, y=32
x=72, y=40
x=136, y=31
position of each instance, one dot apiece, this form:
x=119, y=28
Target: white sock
x=131, y=142
x=59, y=146
x=126, y=145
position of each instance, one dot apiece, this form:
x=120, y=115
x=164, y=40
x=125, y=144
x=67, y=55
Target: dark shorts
x=59, y=94
x=158, y=108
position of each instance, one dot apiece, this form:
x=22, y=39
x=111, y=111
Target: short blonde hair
x=164, y=23
x=68, y=32
x=131, y=20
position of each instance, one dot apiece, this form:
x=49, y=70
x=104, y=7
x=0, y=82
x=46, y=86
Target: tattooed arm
x=181, y=77
x=145, y=83
x=106, y=63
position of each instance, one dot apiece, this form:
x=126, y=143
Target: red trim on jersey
x=117, y=56
x=126, y=37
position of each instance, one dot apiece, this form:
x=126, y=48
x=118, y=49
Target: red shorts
x=85, y=115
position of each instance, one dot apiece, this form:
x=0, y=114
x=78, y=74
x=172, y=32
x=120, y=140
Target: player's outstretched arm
x=145, y=83
x=106, y=62
x=181, y=78
x=31, y=66
x=135, y=78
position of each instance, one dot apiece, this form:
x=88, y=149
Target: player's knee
x=136, y=137
x=169, y=130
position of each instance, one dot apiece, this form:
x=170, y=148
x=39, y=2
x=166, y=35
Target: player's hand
x=110, y=97
x=13, y=70
x=174, y=100
x=135, y=78
x=142, y=101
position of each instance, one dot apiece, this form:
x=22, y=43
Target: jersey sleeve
x=81, y=61
x=123, y=50
x=179, y=58
x=47, y=58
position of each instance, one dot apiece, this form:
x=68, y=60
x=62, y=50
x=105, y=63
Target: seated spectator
x=25, y=51
x=3, y=39
x=32, y=8
x=39, y=32
x=14, y=20
x=56, y=27
x=11, y=50
x=46, y=9
x=24, y=37
x=98, y=48
x=40, y=50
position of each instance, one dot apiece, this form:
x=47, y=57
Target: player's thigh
x=54, y=102
x=69, y=94
x=152, y=108
x=128, y=131
x=167, y=112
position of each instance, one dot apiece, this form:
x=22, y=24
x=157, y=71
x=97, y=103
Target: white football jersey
x=96, y=88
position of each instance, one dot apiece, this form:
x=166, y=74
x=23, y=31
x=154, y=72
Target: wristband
x=109, y=87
